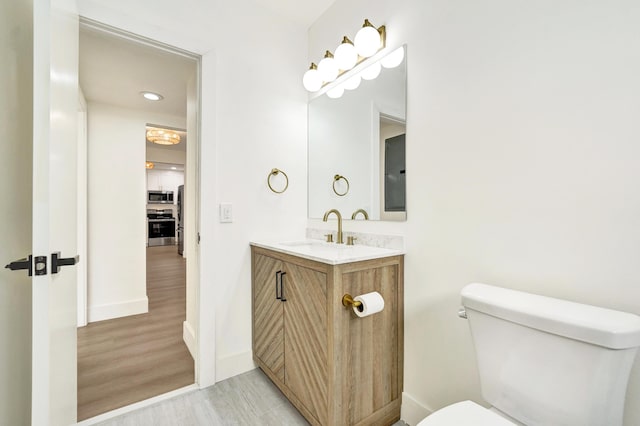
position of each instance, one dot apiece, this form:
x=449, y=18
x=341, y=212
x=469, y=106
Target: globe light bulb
x=311, y=79
x=328, y=68
x=371, y=72
x=346, y=56
x=336, y=92
x=393, y=59
x=367, y=40
x=353, y=82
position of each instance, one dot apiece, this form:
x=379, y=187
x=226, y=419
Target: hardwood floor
x=125, y=360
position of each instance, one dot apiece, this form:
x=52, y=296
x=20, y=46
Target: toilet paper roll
x=371, y=303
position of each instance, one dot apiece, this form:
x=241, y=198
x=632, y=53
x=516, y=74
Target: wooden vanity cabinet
x=336, y=368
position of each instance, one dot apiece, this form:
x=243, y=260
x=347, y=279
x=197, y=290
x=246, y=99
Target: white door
x=42, y=117
x=15, y=210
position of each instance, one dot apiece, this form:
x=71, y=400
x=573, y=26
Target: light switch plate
x=226, y=213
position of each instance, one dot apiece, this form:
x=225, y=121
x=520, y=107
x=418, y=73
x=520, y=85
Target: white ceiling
x=114, y=71
x=304, y=12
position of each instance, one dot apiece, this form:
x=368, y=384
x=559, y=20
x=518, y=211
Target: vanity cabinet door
x=268, y=318
x=305, y=348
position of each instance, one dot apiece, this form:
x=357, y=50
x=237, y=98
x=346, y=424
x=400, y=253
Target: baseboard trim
x=189, y=337
x=117, y=310
x=235, y=364
x=137, y=405
x=412, y=411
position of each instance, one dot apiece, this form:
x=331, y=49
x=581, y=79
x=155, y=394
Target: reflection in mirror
x=361, y=136
x=392, y=164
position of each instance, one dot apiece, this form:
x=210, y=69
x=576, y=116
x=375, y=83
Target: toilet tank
x=545, y=361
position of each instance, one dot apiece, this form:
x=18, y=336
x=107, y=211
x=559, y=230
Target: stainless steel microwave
x=159, y=197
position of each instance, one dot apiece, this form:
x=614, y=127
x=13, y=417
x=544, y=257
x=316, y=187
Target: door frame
x=82, y=209
x=193, y=142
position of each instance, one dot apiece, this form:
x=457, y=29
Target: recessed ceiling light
x=152, y=96
x=174, y=168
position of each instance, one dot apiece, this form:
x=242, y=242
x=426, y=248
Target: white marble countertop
x=330, y=253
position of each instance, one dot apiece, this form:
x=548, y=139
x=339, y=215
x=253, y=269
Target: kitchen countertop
x=330, y=253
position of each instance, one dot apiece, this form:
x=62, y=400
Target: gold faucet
x=364, y=213
x=337, y=213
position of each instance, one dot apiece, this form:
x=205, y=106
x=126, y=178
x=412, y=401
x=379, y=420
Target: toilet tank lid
x=592, y=324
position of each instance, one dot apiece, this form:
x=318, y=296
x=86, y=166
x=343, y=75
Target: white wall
x=260, y=124
x=117, y=210
x=163, y=155
x=253, y=118
x=522, y=147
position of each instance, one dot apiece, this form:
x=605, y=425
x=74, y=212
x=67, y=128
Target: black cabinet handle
x=282, y=298
x=278, y=296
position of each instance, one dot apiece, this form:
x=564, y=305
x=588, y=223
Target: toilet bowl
x=465, y=413
x=533, y=352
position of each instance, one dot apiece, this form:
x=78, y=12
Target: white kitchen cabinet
x=164, y=180
x=153, y=180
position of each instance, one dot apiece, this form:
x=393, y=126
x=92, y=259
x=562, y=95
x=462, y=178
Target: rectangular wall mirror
x=357, y=146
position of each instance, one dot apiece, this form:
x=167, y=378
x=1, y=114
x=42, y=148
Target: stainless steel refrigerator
x=180, y=219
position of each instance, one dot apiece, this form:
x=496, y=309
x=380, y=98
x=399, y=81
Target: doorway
x=130, y=294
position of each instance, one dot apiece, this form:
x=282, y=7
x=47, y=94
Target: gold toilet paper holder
x=348, y=302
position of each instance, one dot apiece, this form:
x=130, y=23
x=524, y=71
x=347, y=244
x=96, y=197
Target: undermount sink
x=330, y=253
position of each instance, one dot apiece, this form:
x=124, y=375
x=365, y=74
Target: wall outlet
x=226, y=213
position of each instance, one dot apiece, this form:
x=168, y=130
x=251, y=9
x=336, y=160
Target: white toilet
x=544, y=361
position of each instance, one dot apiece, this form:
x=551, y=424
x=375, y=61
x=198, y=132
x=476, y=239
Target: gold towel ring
x=336, y=178
x=274, y=172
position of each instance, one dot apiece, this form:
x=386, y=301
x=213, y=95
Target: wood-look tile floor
x=249, y=399
x=130, y=359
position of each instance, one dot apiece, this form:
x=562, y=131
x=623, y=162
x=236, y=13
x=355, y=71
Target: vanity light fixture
x=346, y=55
x=368, y=41
x=352, y=82
x=393, y=59
x=328, y=68
x=163, y=136
x=371, y=72
x=311, y=79
x=336, y=92
x=368, y=69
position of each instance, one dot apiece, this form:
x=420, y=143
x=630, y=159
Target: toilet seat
x=465, y=413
